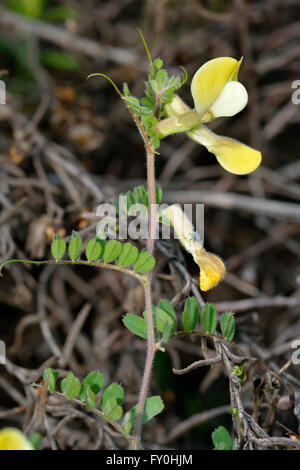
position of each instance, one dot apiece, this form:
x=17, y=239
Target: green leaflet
x=112, y=410
x=74, y=248
x=153, y=406
x=70, y=386
x=128, y=256
x=58, y=247
x=113, y=391
x=95, y=381
x=112, y=250
x=228, y=325
x=208, y=318
x=90, y=397
x=144, y=263
x=136, y=325
x=190, y=314
x=93, y=250
x=222, y=439
x=50, y=376
x=160, y=317
x=167, y=307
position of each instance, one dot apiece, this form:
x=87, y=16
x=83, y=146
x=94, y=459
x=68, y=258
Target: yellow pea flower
x=216, y=92
x=212, y=268
x=13, y=439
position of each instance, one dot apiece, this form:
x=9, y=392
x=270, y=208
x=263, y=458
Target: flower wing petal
x=232, y=99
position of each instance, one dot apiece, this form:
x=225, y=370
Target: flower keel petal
x=212, y=270
x=236, y=157
x=233, y=156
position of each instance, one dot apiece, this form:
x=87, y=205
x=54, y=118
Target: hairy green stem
x=148, y=368
x=148, y=297
x=152, y=199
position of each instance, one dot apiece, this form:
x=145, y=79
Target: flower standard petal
x=235, y=72
x=13, y=439
x=209, y=81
